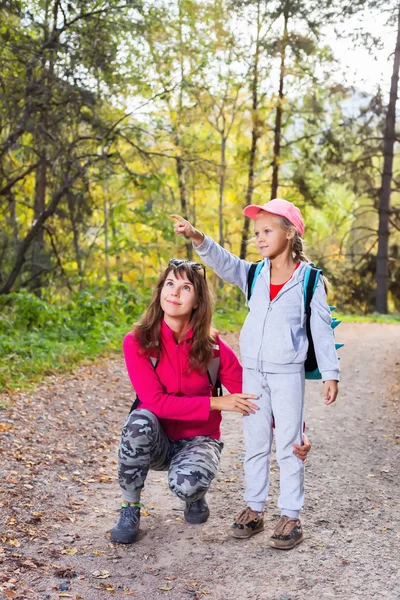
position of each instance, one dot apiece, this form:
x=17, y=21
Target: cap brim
x=252, y=211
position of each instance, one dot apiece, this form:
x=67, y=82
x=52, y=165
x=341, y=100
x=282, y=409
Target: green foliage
x=39, y=338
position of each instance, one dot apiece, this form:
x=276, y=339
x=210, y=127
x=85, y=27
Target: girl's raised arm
x=226, y=265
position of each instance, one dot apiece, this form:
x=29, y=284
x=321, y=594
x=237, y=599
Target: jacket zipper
x=179, y=369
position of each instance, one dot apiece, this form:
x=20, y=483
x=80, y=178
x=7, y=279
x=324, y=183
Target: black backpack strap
x=313, y=273
x=250, y=278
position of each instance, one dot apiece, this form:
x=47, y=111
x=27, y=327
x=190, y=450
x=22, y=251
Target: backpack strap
x=311, y=277
x=254, y=271
x=213, y=371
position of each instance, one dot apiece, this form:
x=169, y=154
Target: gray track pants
x=191, y=463
x=280, y=397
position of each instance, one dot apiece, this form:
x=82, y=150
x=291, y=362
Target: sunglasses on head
x=196, y=266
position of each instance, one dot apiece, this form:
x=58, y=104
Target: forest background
x=115, y=114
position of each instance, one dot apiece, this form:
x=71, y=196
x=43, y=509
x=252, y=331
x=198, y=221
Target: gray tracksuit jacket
x=274, y=338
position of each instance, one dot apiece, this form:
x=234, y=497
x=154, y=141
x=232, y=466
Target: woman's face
x=178, y=297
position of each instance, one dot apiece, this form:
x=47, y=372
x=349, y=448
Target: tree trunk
x=180, y=170
x=382, y=263
x=13, y=222
x=38, y=255
x=75, y=236
x=106, y=241
x=222, y=179
x=114, y=232
x=279, y=110
x=255, y=135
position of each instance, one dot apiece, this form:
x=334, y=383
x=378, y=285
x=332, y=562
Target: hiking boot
x=287, y=534
x=127, y=528
x=196, y=512
x=246, y=524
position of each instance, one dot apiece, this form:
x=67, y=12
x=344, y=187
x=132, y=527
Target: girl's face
x=178, y=298
x=271, y=239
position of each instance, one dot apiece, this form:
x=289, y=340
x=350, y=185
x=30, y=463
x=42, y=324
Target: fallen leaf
x=170, y=577
x=101, y=574
x=167, y=587
x=69, y=551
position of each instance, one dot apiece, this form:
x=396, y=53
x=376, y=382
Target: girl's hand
x=235, y=403
x=302, y=451
x=330, y=391
x=183, y=227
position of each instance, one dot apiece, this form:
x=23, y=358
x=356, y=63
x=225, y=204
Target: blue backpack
x=311, y=277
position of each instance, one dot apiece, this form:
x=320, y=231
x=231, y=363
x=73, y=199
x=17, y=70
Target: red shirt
x=178, y=397
x=274, y=289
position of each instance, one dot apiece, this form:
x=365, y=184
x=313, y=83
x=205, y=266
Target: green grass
x=38, y=338
x=372, y=318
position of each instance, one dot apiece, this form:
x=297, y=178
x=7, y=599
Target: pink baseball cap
x=280, y=207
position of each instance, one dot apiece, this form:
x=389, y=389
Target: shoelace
x=128, y=514
x=245, y=516
x=284, y=527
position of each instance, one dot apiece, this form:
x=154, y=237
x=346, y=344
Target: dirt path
x=59, y=495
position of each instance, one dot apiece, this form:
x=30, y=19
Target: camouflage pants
x=191, y=463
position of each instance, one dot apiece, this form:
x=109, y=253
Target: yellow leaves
x=5, y=426
x=69, y=551
x=107, y=587
x=167, y=587
x=14, y=543
x=106, y=479
x=62, y=477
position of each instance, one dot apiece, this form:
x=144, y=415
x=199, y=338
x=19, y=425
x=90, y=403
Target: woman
x=174, y=424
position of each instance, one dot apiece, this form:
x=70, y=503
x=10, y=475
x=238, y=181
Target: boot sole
x=197, y=519
x=281, y=545
x=121, y=539
x=241, y=534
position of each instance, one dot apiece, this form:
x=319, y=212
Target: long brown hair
x=147, y=329
x=298, y=245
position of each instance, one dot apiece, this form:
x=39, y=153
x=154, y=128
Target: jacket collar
x=168, y=335
x=298, y=274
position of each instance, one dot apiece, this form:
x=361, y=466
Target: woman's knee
x=140, y=431
x=188, y=486
x=140, y=422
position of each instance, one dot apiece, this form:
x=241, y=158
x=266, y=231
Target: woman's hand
x=183, y=227
x=235, y=403
x=330, y=391
x=301, y=451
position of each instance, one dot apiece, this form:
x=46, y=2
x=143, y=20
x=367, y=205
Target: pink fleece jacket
x=180, y=399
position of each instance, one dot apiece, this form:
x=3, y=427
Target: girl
x=273, y=345
x=175, y=423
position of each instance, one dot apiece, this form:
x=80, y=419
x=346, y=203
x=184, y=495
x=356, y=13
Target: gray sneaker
x=127, y=528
